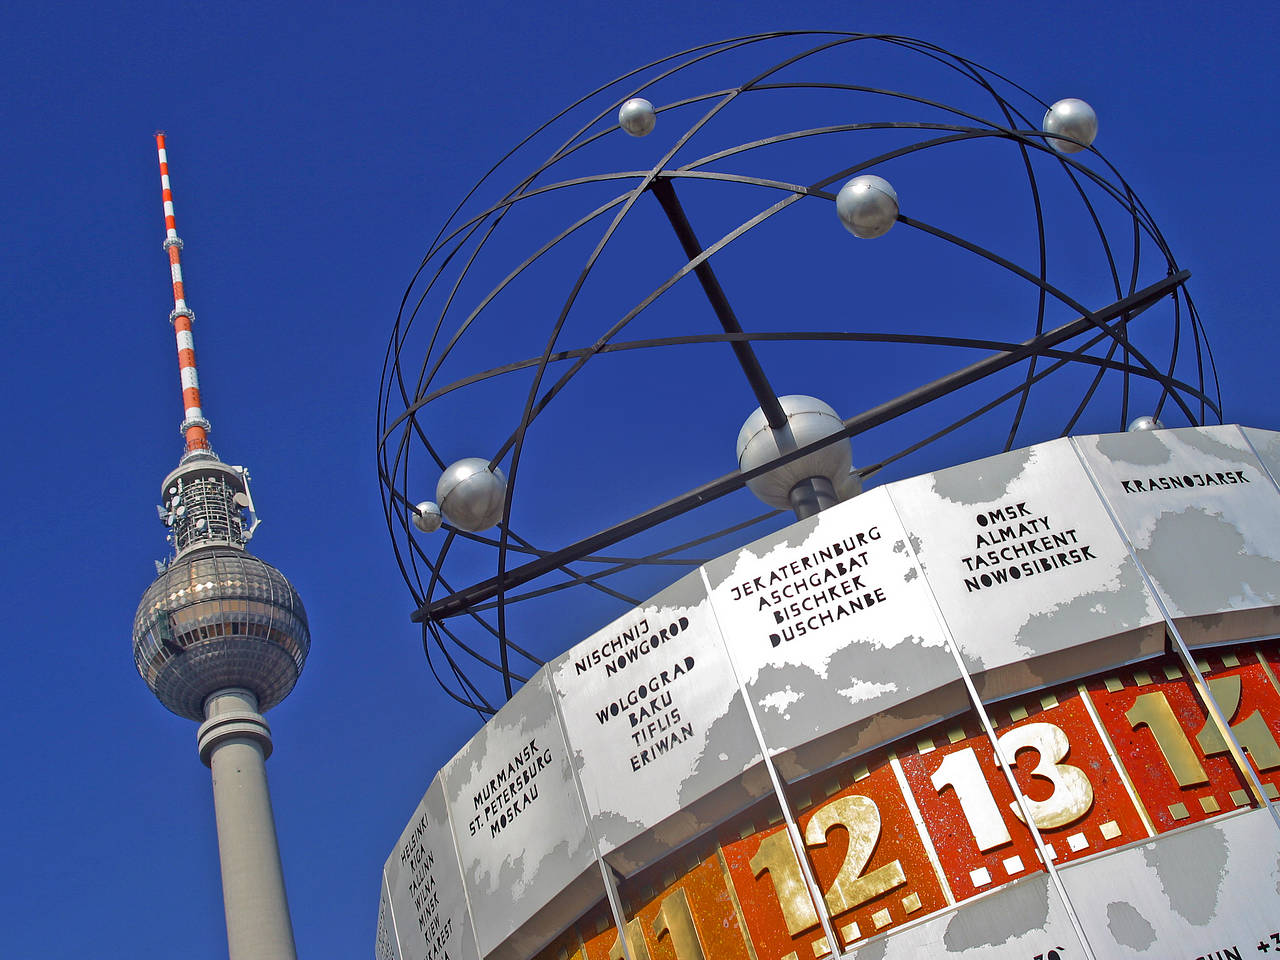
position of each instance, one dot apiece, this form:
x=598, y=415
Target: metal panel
x=1034, y=582
x=832, y=631
x=522, y=836
x=1204, y=520
x=384, y=944
x=1266, y=444
x=1023, y=920
x=423, y=884
x=1204, y=891
x=662, y=742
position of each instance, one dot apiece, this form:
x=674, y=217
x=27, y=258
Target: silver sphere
x=808, y=419
x=637, y=117
x=428, y=518
x=1070, y=118
x=868, y=206
x=1145, y=423
x=471, y=495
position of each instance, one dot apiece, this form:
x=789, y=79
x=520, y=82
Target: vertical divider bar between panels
x=606, y=871
x=391, y=910
x=793, y=830
x=1257, y=456
x=1004, y=763
x=917, y=818
x=453, y=842
x=1198, y=681
x=1121, y=771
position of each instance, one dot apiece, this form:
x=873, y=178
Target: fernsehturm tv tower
x=220, y=637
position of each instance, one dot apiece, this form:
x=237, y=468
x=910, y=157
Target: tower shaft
x=235, y=742
x=195, y=427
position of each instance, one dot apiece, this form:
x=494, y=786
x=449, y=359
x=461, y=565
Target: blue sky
x=314, y=152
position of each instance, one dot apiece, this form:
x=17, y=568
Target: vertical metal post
x=812, y=496
x=747, y=358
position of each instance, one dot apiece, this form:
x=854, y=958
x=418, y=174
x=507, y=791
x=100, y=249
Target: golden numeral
x=635, y=941
x=860, y=816
x=675, y=918
x=1252, y=732
x=1152, y=710
x=1072, y=795
x=1071, y=799
x=961, y=772
x=777, y=857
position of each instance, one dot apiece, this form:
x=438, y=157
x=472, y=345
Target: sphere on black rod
x=867, y=206
x=609, y=301
x=428, y=517
x=1071, y=118
x=808, y=420
x=471, y=494
x=637, y=117
x=1145, y=423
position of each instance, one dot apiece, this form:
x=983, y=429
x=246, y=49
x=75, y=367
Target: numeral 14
x=1153, y=711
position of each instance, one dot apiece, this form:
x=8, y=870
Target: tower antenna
x=195, y=428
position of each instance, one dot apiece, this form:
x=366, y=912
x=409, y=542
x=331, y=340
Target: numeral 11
x=674, y=919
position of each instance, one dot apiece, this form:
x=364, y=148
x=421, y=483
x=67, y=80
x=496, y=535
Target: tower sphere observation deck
x=219, y=617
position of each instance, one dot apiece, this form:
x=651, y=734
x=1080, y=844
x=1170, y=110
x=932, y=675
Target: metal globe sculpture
x=867, y=206
x=1071, y=118
x=600, y=310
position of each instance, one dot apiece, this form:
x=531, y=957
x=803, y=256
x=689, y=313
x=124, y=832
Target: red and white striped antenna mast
x=195, y=428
